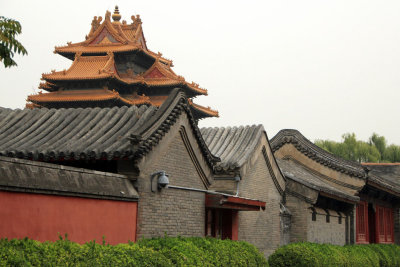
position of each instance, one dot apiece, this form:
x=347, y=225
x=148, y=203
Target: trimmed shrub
x=167, y=251
x=27, y=252
x=311, y=254
x=197, y=251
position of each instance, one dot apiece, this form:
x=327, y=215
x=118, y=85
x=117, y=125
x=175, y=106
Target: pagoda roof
x=203, y=111
x=106, y=36
x=87, y=95
x=105, y=95
x=160, y=74
x=85, y=68
x=103, y=67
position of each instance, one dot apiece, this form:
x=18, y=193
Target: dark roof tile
x=93, y=133
x=233, y=145
x=70, y=133
x=386, y=175
x=20, y=175
x=300, y=174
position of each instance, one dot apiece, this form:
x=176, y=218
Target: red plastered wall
x=42, y=217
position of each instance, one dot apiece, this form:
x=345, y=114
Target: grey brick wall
x=320, y=231
x=299, y=224
x=171, y=211
x=261, y=228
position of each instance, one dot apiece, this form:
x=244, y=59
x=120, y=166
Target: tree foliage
x=9, y=45
x=376, y=150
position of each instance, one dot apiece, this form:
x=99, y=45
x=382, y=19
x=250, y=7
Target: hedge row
x=167, y=251
x=311, y=254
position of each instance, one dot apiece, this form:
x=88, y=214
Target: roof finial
x=116, y=16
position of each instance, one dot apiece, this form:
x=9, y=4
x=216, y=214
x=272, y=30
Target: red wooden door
x=384, y=225
x=362, y=236
x=222, y=223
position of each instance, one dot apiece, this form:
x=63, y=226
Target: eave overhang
x=221, y=201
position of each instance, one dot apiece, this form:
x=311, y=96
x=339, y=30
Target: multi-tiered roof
x=114, y=67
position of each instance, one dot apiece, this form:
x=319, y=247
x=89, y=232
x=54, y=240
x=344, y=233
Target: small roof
x=224, y=201
x=309, y=149
x=386, y=175
x=20, y=175
x=233, y=145
x=299, y=173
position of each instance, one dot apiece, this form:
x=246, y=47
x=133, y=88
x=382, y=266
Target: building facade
x=113, y=149
x=333, y=200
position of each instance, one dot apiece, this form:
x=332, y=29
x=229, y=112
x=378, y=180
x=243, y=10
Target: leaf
x=9, y=45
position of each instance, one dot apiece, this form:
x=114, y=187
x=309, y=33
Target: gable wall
x=172, y=211
x=261, y=228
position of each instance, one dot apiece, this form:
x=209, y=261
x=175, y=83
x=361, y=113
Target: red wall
x=42, y=217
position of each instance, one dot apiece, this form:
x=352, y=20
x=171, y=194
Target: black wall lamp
x=162, y=181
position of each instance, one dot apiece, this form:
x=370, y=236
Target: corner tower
x=114, y=67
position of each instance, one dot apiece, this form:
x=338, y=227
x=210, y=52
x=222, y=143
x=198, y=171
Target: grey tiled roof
x=233, y=145
x=385, y=175
x=93, y=133
x=305, y=146
x=70, y=133
x=20, y=175
x=295, y=171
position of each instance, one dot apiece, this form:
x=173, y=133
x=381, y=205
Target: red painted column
x=43, y=217
x=235, y=225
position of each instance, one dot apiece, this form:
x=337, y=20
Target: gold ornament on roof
x=108, y=15
x=116, y=16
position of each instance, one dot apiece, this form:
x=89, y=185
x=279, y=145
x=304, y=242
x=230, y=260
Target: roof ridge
x=232, y=127
x=316, y=153
x=149, y=134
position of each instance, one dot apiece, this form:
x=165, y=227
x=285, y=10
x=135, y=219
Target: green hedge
x=311, y=254
x=167, y=251
x=195, y=251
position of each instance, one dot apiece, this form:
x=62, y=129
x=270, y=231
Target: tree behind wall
x=376, y=150
x=9, y=45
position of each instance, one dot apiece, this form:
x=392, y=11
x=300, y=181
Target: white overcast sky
x=322, y=67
